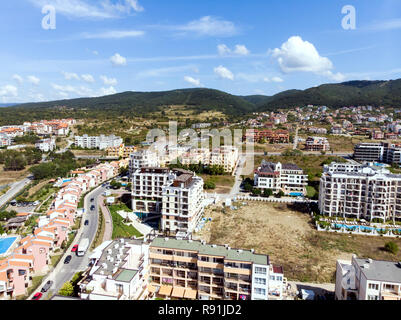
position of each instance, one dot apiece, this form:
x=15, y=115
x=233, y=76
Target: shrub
x=391, y=247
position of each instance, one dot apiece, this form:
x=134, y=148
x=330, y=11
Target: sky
x=94, y=48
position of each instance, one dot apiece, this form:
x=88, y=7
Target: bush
x=209, y=185
x=391, y=247
x=67, y=290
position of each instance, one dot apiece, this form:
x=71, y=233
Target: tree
x=209, y=185
x=268, y=193
x=67, y=290
x=256, y=192
x=391, y=247
x=280, y=194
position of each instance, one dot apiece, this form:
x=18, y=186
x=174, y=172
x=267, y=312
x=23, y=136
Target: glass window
x=259, y=270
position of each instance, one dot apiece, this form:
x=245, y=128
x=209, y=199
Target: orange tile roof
x=19, y=263
x=41, y=243
x=23, y=214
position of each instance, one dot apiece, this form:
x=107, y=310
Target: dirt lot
x=290, y=240
x=223, y=183
x=7, y=177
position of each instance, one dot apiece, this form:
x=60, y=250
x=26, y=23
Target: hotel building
x=97, y=142
x=367, y=279
x=368, y=193
x=288, y=178
x=188, y=269
x=143, y=159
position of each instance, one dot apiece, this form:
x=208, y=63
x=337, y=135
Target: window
x=373, y=286
x=260, y=281
x=259, y=270
x=260, y=291
x=373, y=298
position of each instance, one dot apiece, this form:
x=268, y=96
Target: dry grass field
x=223, y=183
x=7, y=177
x=290, y=240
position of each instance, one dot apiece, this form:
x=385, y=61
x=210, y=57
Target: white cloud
x=108, y=81
x=224, y=73
x=209, y=26
x=277, y=79
x=193, y=81
x=392, y=24
x=8, y=91
x=160, y=72
x=118, y=60
x=299, y=55
x=87, y=78
x=223, y=49
x=104, y=9
x=34, y=80
x=79, y=91
x=70, y=75
x=114, y=34
x=96, y=53
x=18, y=78
x=241, y=50
x=107, y=91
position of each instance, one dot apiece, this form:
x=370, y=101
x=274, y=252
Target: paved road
x=64, y=272
x=15, y=188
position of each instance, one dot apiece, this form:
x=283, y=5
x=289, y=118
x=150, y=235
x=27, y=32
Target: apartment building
x=182, y=206
x=98, y=142
x=288, y=178
x=225, y=156
x=370, y=152
x=119, y=271
x=187, y=269
x=5, y=140
x=272, y=136
x=174, y=194
x=317, y=144
x=122, y=151
x=46, y=145
x=143, y=159
x=367, y=279
x=342, y=167
x=370, y=192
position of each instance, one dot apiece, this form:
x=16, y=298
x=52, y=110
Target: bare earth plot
x=290, y=240
x=8, y=177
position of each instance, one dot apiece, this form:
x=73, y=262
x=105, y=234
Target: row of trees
x=248, y=186
x=200, y=168
x=17, y=160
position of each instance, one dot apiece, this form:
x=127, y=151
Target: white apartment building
x=369, y=152
x=225, y=156
x=143, y=159
x=175, y=194
x=342, y=167
x=46, y=145
x=119, y=271
x=288, y=178
x=5, y=140
x=98, y=142
x=367, y=279
x=182, y=206
x=369, y=193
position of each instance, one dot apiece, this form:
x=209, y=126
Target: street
x=15, y=188
x=64, y=272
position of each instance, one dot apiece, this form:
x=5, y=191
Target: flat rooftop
x=380, y=270
x=212, y=250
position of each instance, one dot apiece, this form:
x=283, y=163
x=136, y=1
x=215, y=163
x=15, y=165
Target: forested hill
x=376, y=93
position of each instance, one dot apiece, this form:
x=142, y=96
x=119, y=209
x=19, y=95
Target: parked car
x=92, y=207
x=93, y=199
x=47, y=286
x=74, y=248
x=37, y=296
x=67, y=260
x=86, y=222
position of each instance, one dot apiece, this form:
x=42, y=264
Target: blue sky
x=241, y=47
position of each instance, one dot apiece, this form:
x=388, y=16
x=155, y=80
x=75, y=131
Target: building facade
x=98, y=142
x=317, y=144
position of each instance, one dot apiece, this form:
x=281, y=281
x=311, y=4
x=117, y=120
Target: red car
x=74, y=248
x=37, y=296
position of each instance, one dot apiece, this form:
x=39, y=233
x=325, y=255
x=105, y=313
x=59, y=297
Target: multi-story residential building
x=317, y=144
x=175, y=194
x=342, y=167
x=369, y=152
x=367, y=279
x=368, y=193
x=5, y=140
x=182, y=206
x=336, y=130
x=46, y=145
x=288, y=178
x=201, y=125
x=143, y=159
x=195, y=270
x=122, y=151
x=317, y=130
x=98, y=142
x=119, y=271
x=277, y=136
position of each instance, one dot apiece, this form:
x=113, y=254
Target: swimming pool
x=361, y=227
x=296, y=194
x=6, y=243
x=67, y=180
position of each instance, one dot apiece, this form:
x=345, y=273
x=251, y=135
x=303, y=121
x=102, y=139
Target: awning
x=165, y=290
x=178, y=292
x=190, y=294
x=151, y=289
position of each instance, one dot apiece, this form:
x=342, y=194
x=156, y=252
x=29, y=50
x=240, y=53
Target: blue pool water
x=377, y=164
x=6, y=243
x=296, y=194
x=361, y=227
x=67, y=180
